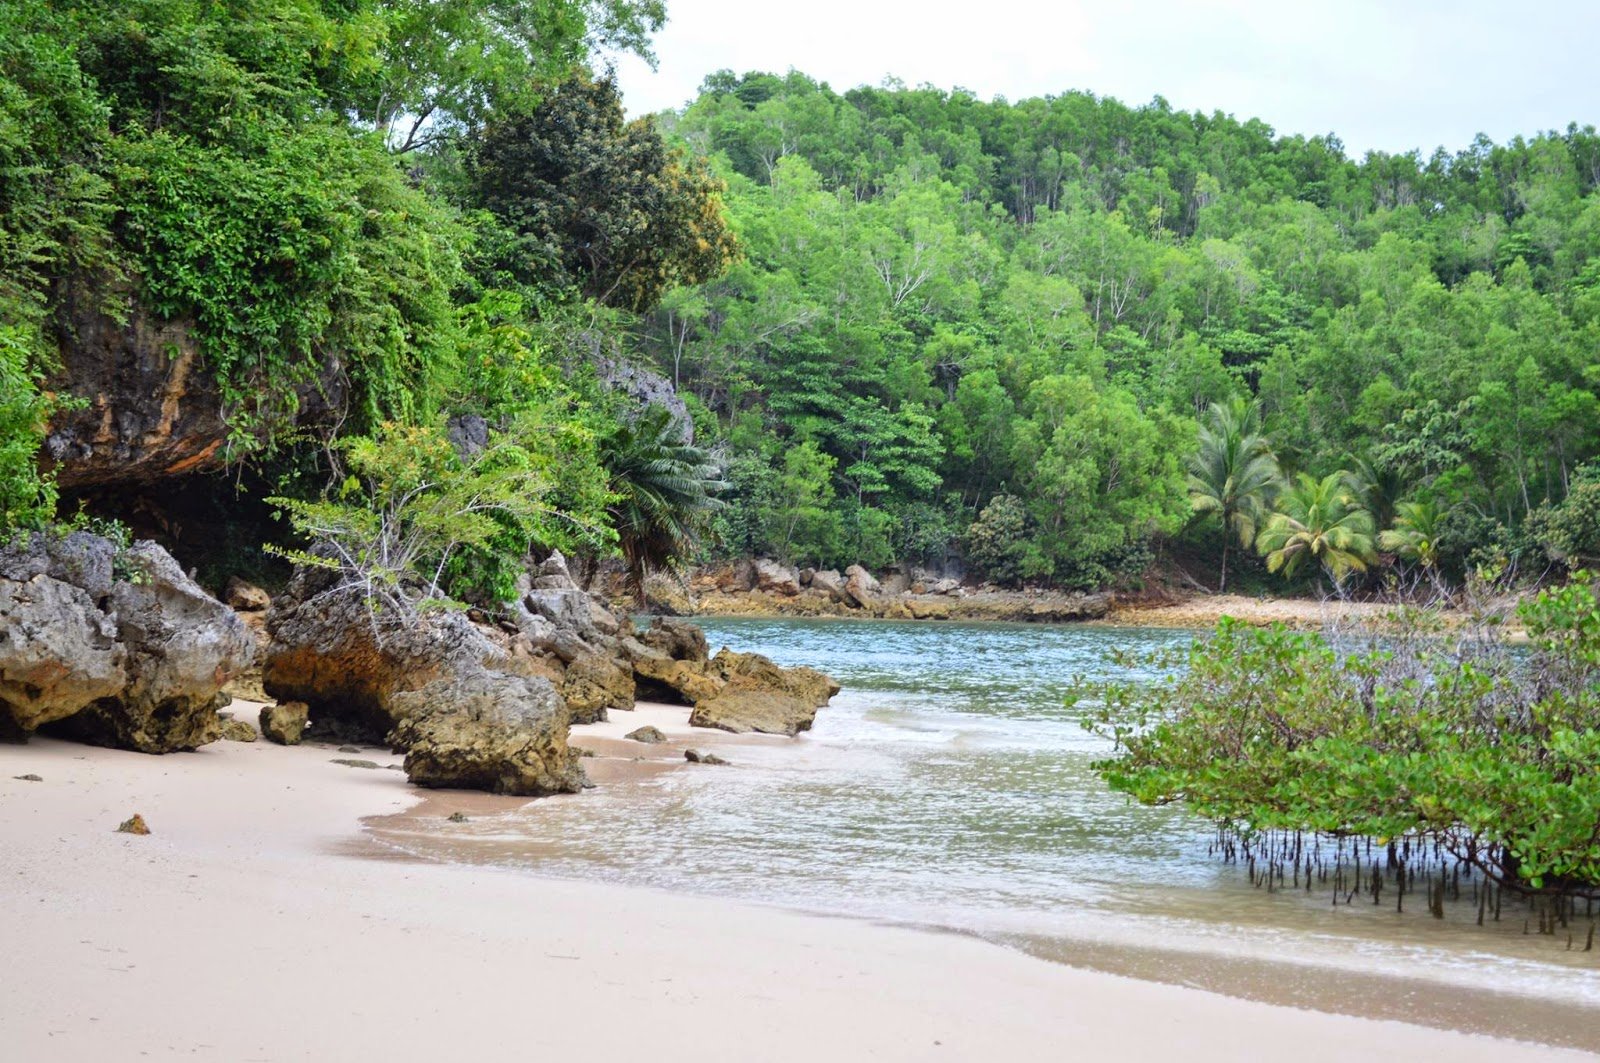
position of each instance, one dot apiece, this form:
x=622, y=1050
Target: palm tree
x=1320, y=520
x=1378, y=488
x=1415, y=535
x=1233, y=473
x=666, y=488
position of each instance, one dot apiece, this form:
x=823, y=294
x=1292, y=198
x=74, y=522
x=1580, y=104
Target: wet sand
x=242, y=929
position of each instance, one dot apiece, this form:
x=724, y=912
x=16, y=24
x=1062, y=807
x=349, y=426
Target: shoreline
x=262, y=905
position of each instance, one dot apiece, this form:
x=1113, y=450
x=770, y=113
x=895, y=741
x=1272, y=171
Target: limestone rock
x=246, y=597
x=945, y=586
x=134, y=824
x=663, y=679
x=58, y=652
x=370, y=765
x=751, y=709
x=183, y=646
x=489, y=731
x=592, y=684
x=773, y=578
x=237, y=731
x=829, y=582
x=677, y=639
x=285, y=722
x=647, y=734
x=860, y=587
x=752, y=671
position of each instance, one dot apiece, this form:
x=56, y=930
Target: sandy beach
x=256, y=922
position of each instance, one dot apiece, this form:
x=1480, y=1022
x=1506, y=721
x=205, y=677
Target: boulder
x=183, y=646
x=860, y=587
x=677, y=639
x=665, y=595
x=773, y=578
x=945, y=586
x=592, y=684
x=694, y=756
x=237, y=731
x=829, y=582
x=805, y=575
x=331, y=651
x=112, y=646
x=659, y=678
x=246, y=597
x=767, y=711
x=752, y=671
x=58, y=652
x=487, y=730
x=285, y=722
x=650, y=736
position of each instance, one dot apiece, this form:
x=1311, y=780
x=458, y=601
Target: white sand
x=244, y=928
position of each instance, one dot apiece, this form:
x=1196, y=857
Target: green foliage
x=594, y=205
x=1319, y=521
x=665, y=489
x=1233, y=474
x=1001, y=542
x=415, y=524
x=1570, y=531
x=1495, y=756
x=27, y=498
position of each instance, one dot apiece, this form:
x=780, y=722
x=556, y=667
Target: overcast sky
x=1391, y=76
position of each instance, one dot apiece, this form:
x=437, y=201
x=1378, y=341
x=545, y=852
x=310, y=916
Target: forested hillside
x=952, y=311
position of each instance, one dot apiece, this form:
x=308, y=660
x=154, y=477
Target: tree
x=1415, y=535
x=1320, y=521
x=665, y=489
x=1233, y=473
x=595, y=205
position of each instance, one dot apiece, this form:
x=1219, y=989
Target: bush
x=1451, y=741
x=27, y=498
x=1000, y=543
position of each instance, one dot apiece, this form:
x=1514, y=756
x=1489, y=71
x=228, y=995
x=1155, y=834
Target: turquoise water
x=949, y=784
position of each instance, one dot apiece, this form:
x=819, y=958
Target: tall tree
x=1233, y=473
x=1321, y=521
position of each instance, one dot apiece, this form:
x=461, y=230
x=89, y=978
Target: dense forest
x=991, y=328
x=1044, y=341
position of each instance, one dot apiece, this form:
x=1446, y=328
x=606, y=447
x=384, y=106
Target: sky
x=1387, y=76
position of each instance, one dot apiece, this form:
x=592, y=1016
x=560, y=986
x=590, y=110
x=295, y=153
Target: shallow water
x=950, y=785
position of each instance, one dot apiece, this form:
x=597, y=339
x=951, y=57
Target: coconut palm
x=666, y=488
x=1378, y=488
x=1321, y=521
x=1415, y=535
x=1233, y=473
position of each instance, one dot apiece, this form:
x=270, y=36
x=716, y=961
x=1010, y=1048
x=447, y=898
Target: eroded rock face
x=751, y=671
x=285, y=722
x=593, y=684
x=774, y=578
x=860, y=587
x=136, y=661
x=767, y=711
x=493, y=731
x=329, y=651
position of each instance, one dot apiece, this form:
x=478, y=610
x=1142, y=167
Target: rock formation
x=112, y=646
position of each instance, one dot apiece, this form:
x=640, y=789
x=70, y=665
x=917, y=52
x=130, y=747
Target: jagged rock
x=486, y=730
x=237, y=731
x=925, y=610
x=767, y=711
x=457, y=817
x=646, y=387
x=829, y=582
x=285, y=722
x=677, y=639
x=152, y=410
x=773, y=578
x=246, y=597
x=860, y=587
x=663, y=679
x=592, y=684
x=58, y=652
x=134, y=824
x=945, y=586
x=469, y=434
x=694, y=756
x=666, y=596
x=752, y=671
x=183, y=646
x=647, y=734
x=330, y=651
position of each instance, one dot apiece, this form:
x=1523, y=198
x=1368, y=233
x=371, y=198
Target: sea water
x=951, y=784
